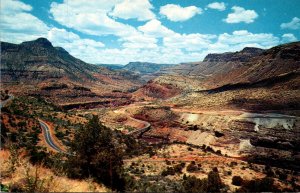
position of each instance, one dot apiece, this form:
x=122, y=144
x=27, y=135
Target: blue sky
x=161, y=31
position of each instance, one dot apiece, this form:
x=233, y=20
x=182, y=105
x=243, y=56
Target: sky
x=160, y=31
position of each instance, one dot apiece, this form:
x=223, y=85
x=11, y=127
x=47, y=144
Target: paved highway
x=146, y=127
x=146, y=124
x=48, y=138
x=44, y=126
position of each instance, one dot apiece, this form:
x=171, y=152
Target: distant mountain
x=247, y=65
x=145, y=67
x=37, y=67
x=242, y=74
x=112, y=66
x=40, y=60
x=277, y=61
x=216, y=63
x=40, y=55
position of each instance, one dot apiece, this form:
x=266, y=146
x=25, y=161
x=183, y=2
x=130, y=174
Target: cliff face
x=243, y=56
x=246, y=66
x=277, y=61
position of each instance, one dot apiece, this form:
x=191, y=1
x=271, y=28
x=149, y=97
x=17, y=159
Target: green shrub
x=96, y=154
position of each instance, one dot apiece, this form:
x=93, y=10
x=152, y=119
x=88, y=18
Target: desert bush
x=237, y=180
x=281, y=174
x=178, y=168
x=269, y=171
x=173, y=170
x=169, y=171
x=193, y=184
x=219, y=152
x=31, y=182
x=13, y=160
x=259, y=185
x=232, y=164
x=212, y=183
x=190, y=149
x=192, y=167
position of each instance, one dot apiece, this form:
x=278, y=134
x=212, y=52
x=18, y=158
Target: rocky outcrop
x=242, y=56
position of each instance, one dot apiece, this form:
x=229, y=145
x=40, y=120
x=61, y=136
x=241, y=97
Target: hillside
x=38, y=68
x=216, y=63
x=252, y=79
x=280, y=60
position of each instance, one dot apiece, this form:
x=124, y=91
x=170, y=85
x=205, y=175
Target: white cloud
x=288, y=38
x=71, y=41
x=139, y=41
x=294, y=24
x=177, y=13
x=241, y=15
x=173, y=40
x=189, y=42
x=156, y=29
x=12, y=6
x=152, y=41
x=85, y=49
x=243, y=37
x=158, y=55
x=139, y=9
x=17, y=25
x=90, y=17
x=179, y=48
x=220, y=6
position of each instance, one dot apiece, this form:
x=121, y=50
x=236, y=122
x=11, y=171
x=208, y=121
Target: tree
x=97, y=154
x=214, y=182
x=193, y=184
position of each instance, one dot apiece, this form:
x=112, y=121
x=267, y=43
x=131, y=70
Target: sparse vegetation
x=97, y=154
x=258, y=185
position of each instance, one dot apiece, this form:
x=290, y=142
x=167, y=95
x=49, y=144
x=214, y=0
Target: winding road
x=146, y=124
x=146, y=127
x=44, y=126
x=48, y=139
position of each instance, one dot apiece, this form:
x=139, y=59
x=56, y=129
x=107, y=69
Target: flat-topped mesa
x=242, y=56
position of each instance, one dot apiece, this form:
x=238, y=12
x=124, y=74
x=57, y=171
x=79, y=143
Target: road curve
x=146, y=127
x=48, y=138
x=146, y=124
x=43, y=125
